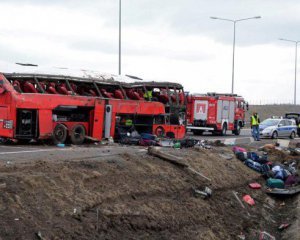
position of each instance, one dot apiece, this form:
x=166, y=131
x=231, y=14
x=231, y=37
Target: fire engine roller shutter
x=219, y=111
x=231, y=112
x=225, y=114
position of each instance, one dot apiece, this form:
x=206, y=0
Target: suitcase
x=275, y=183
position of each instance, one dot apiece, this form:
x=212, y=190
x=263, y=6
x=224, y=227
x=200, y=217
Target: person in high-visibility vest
x=128, y=122
x=254, y=123
x=148, y=94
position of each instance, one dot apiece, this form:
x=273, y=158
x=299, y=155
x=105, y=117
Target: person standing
x=254, y=123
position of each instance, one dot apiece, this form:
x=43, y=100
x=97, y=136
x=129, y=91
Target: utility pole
x=120, y=35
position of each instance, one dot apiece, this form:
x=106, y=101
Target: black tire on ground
x=60, y=134
x=293, y=135
x=224, y=129
x=77, y=134
x=237, y=130
x=198, y=132
x=275, y=135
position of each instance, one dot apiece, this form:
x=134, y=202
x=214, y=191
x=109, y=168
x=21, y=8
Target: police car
x=278, y=127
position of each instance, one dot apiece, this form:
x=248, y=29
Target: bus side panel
x=98, y=120
x=45, y=123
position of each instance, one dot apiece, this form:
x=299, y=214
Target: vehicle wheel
x=60, y=134
x=237, y=131
x=160, y=132
x=275, y=135
x=224, y=129
x=198, y=132
x=293, y=135
x=77, y=134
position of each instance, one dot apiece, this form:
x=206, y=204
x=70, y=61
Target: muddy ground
x=136, y=196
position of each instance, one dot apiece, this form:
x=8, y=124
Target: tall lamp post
x=120, y=35
x=296, y=49
x=234, y=27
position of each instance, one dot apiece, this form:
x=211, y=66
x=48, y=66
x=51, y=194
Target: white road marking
x=33, y=151
x=10, y=146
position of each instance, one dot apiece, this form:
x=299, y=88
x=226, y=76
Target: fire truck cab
x=216, y=113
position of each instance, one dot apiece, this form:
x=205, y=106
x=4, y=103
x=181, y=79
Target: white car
x=277, y=127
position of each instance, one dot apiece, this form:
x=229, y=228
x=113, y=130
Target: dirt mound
x=132, y=196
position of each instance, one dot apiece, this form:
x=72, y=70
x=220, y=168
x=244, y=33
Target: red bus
x=40, y=106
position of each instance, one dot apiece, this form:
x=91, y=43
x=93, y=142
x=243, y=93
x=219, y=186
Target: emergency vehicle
x=61, y=108
x=216, y=113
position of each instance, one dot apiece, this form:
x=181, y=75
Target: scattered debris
x=255, y=185
x=206, y=193
x=226, y=156
x=156, y=151
x=284, y=192
x=39, y=236
x=266, y=236
x=248, y=199
x=241, y=236
x=283, y=226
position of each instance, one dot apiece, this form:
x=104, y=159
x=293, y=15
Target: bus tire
x=160, y=132
x=60, y=134
x=77, y=134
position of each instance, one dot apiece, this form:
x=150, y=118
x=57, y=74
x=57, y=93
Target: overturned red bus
x=38, y=106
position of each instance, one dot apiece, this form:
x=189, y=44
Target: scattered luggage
x=253, y=165
x=236, y=149
x=275, y=183
x=248, y=199
x=255, y=185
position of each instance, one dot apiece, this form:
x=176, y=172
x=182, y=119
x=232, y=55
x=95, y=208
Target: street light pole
x=296, y=58
x=120, y=34
x=233, y=58
x=234, y=31
x=295, y=87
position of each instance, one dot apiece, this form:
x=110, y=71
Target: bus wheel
x=160, y=132
x=77, y=134
x=59, y=134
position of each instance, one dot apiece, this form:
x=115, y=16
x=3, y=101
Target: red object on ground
x=249, y=200
x=255, y=185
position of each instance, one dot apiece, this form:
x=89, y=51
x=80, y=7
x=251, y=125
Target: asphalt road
x=245, y=133
x=23, y=153
x=12, y=153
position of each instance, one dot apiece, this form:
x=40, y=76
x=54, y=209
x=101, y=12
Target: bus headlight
x=8, y=124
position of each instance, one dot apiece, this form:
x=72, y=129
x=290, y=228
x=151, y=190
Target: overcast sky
x=169, y=40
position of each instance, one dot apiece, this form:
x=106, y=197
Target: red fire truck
x=217, y=113
x=38, y=106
